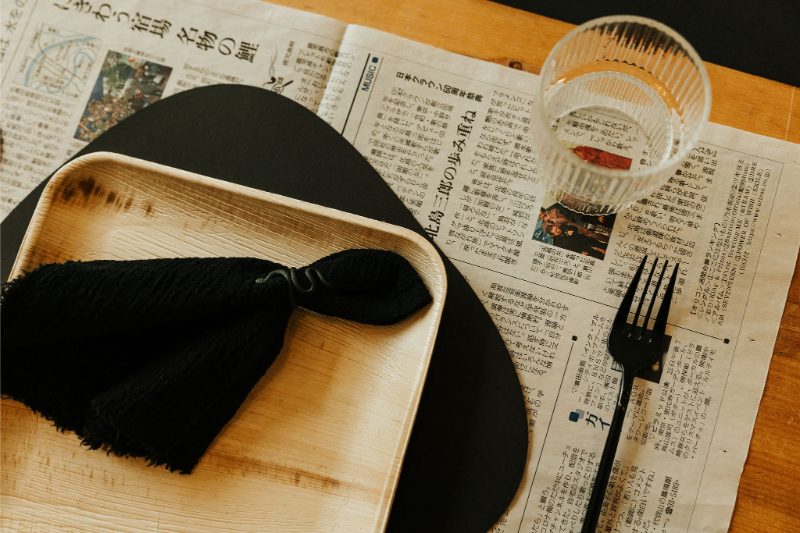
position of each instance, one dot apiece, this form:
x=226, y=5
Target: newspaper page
x=451, y=136
x=71, y=69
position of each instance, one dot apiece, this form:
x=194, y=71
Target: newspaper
x=451, y=136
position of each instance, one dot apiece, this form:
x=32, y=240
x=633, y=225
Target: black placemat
x=469, y=444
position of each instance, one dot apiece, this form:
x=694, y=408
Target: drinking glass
x=621, y=102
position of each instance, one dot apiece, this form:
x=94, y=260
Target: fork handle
x=607, y=459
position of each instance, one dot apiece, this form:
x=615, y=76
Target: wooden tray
x=318, y=443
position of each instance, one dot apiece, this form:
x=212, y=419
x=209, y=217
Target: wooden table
x=768, y=494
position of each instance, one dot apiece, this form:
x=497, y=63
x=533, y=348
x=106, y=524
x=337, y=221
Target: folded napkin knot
x=291, y=276
x=151, y=358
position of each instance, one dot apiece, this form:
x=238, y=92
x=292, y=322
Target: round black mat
x=469, y=443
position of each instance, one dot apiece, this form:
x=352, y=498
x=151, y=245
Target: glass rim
x=579, y=163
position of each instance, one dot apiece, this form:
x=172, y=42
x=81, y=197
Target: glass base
x=586, y=208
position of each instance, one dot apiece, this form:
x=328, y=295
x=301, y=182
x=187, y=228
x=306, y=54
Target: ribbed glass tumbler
x=621, y=102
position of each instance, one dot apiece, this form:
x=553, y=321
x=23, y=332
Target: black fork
x=634, y=347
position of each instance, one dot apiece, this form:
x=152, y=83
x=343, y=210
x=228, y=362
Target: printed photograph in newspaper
x=575, y=232
x=125, y=85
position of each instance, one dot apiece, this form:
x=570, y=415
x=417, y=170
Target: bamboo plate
x=318, y=443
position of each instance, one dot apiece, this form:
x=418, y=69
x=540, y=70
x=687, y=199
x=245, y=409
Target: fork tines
x=621, y=320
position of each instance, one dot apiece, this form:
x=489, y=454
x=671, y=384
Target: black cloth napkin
x=151, y=358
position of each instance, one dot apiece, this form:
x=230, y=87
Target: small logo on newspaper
x=370, y=71
x=593, y=420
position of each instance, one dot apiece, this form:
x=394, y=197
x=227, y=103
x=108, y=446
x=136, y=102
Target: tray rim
x=39, y=216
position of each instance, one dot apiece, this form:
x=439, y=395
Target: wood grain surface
x=768, y=498
x=320, y=439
